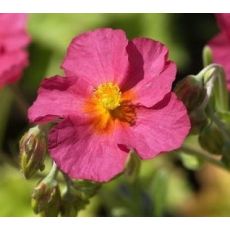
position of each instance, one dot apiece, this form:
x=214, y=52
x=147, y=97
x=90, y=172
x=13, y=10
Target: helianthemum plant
x=114, y=107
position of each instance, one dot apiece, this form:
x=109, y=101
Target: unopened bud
x=191, y=91
x=32, y=148
x=212, y=139
x=198, y=119
x=46, y=198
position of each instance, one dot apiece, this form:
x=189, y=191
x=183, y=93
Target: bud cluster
x=206, y=98
x=49, y=200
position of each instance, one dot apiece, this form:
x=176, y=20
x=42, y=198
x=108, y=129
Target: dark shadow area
x=193, y=31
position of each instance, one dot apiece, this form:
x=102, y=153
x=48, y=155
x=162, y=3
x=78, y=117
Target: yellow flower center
x=109, y=108
x=108, y=95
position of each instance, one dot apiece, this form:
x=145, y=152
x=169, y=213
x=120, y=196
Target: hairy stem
x=53, y=173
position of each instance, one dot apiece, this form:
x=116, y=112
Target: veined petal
x=162, y=128
x=98, y=57
x=58, y=97
x=152, y=73
x=81, y=154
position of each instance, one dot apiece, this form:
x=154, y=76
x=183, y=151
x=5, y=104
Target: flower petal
x=224, y=23
x=82, y=155
x=220, y=46
x=99, y=56
x=58, y=97
x=160, y=129
x=14, y=42
x=12, y=23
x=11, y=66
x=153, y=74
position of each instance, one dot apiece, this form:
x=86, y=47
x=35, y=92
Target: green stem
x=133, y=167
x=52, y=174
x=206, y=70
x=202, y=155
x=207, y=56
x=220, y=90
x=40, y=175
x=67, y=181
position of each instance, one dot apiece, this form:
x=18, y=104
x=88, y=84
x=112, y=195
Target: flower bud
x=46, y=198
x=32, y=148
x=191, y=91
x=198, y=120
x=211, y=139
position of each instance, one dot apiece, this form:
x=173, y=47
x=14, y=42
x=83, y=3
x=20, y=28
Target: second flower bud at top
x=193, y=94
x=191, y=91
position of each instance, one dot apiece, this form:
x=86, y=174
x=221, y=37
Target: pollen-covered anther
x=108, y=95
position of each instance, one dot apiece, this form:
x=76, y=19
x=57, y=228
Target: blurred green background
x=169, y=185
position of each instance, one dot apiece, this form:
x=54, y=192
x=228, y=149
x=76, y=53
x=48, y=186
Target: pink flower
x=13, y=40
x=220, y=44
x=116, y=96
